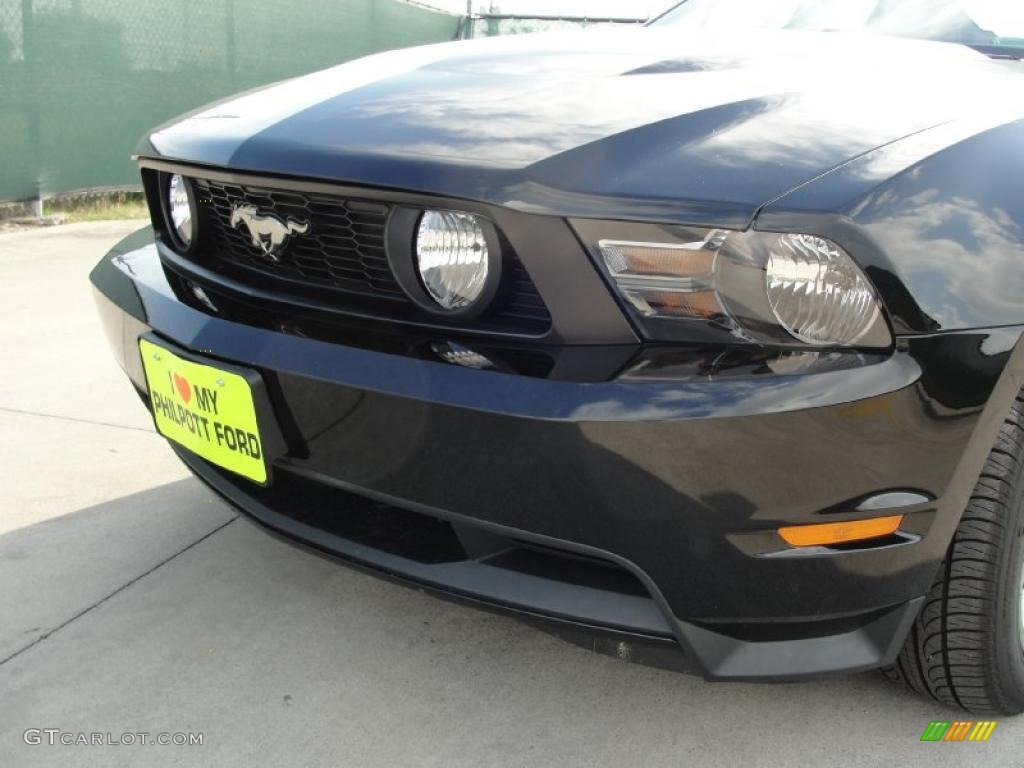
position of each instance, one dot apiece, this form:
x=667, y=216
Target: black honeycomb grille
x=344, y=248
x=343, y=251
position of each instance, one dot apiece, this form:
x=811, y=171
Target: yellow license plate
x=205, y=409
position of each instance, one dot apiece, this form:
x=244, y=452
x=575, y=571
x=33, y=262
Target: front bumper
x=641, y=504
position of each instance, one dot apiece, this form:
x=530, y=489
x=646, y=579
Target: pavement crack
x=75, y=419
x=117, y=591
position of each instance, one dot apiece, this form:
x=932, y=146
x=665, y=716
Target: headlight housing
x=786, y=289
x=818, y=294
x=180, y=211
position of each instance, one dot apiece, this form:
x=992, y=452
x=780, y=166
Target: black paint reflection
x=954, y=228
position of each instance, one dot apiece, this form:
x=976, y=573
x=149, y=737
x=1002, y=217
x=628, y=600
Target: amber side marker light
x=830, y=534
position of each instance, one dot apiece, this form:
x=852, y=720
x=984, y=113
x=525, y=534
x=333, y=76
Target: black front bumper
x=643, y=503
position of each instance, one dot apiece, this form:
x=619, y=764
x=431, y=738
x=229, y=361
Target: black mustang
x=704, y=335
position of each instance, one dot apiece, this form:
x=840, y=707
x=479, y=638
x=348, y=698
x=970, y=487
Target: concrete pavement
x=131, y=601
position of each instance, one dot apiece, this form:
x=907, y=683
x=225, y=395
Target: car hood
x=644, y=123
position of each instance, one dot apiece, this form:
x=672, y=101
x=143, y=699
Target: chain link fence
x=492, y=25
x=82, y=80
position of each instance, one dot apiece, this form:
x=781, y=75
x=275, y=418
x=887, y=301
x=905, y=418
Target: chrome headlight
x=453, y=258
x=817, y=293
x=770, y=288
x=181, y=211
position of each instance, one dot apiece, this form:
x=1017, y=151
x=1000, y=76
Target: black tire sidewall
x=1009, y=622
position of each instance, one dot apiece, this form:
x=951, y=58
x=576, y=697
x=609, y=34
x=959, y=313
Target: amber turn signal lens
x=830, y=534
x=674, y=303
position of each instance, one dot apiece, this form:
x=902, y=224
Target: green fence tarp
x=82, y=80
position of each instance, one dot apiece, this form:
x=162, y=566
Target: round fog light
x=453, y=258
x=179, y=210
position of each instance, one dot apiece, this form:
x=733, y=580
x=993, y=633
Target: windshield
x=995, y=27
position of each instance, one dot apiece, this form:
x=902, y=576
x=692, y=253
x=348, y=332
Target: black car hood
x=645, y=123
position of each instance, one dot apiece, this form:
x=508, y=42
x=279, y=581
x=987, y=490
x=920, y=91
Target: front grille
x=344, y=248
x=342, y=253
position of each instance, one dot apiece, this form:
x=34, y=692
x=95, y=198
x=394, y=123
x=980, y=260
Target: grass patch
x=99, y=206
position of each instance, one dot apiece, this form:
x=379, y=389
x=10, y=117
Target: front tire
x=966, y=649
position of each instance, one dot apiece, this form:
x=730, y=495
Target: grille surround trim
x=356, y=278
